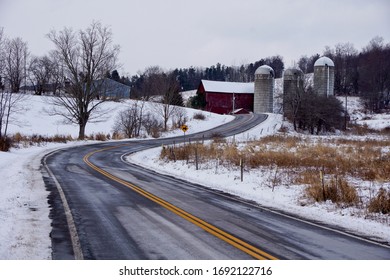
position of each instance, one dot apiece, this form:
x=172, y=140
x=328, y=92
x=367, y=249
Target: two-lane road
x=106, y=208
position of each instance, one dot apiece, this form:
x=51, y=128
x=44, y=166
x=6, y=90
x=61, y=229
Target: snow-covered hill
x=34, y=118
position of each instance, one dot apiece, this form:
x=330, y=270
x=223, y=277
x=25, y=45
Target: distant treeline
x=189, y=78
x=364, y=73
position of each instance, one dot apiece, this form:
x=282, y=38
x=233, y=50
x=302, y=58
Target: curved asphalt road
x=122, y=211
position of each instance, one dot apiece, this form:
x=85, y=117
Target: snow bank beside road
x=24, y=211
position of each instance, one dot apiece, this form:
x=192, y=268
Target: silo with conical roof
x=264, y=90
x=324, y=76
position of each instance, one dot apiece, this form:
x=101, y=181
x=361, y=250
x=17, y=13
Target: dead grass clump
x=102, y=137
x=180, y=152
x=386, y=130
x=231, y=155
x=361, y=129
x=61, y=138
x=5, y=144
x=341, y=192
x=199, y=116
x=280, y=140
x=381, y=202
x=118, y=136
x=98, y=137
x=18, y=140
x=336, y=189
x=283, y=159
x=283, y=129
x=218, y=138
x=38, y=139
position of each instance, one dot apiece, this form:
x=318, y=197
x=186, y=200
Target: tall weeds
x=381, y=202
x=363, y=159
x=338, y=158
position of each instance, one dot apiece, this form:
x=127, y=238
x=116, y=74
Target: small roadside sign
x=184, y=128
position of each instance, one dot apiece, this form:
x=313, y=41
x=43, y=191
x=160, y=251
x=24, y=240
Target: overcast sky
x=181, y=33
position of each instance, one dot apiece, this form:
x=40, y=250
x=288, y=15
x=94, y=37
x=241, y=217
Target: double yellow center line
x=232, y=240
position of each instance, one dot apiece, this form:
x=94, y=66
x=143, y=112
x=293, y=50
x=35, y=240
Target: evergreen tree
x=115, y=76
x=198, y=101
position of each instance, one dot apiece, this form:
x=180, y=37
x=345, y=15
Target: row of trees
x=364, y=73
x=18, y=66
x=189, y=78
x=75, y=71
x=80, y=59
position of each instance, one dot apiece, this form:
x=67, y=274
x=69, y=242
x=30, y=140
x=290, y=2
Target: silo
x=264, y=90
x=292, y=85
x=324, y=76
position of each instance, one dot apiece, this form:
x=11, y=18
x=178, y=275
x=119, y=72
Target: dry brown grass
x=381, y=202
x=335, y=189
x=99, y=137
x=18, y=140
x=362, y=159
x=338, y=158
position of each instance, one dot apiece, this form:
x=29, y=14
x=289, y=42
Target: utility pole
x=327, y=86
x=346, y=111
x=234, y=101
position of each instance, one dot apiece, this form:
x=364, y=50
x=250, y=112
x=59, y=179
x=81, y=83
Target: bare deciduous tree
x=85, y=57
x=374, y=73
x=170, y=100
x=41, y=72
x=15, y=57
x=9, y=107
x=1, y=50
x=164, y=87
x=129, y=121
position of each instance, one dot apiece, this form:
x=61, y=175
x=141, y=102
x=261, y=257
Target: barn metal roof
x=228, y=87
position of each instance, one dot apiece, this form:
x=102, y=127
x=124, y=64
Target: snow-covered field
x=25, y=225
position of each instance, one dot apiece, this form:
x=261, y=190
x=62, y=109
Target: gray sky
x=181, y=33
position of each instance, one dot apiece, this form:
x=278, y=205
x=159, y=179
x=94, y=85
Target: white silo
x=264, y=90
x=324, y=76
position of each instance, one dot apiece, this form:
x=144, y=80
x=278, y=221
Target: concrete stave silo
x=324, y=76
x=264, y=90
x=293, y=79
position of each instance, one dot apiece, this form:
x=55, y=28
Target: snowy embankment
x=24, y=210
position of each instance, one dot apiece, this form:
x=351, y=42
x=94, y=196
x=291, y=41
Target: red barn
x=226, y=97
